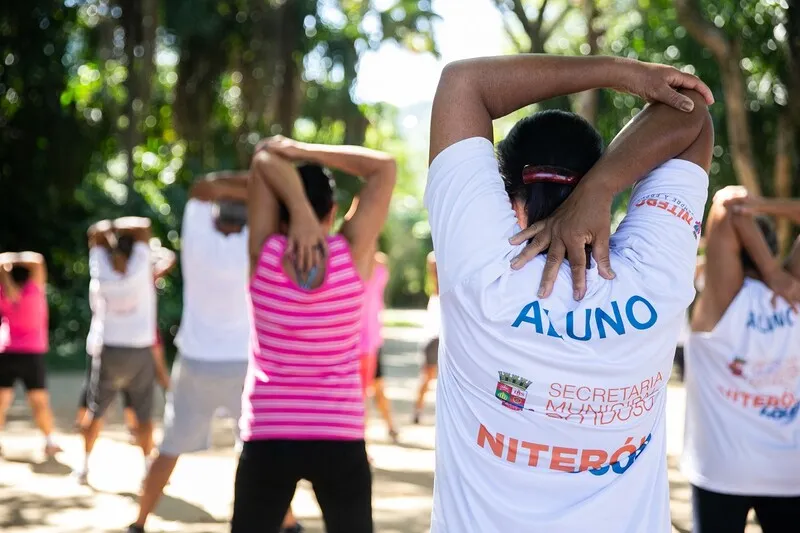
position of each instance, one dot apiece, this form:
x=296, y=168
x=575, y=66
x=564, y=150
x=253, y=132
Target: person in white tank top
x=742, y=438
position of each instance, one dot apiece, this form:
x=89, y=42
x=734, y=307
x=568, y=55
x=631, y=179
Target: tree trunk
x=131, y=23
x=783, y=177
x=589, y=101
x=288, y=75
x=728, y=55
x=793, y=39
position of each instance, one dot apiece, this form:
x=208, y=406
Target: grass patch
x=401, y=324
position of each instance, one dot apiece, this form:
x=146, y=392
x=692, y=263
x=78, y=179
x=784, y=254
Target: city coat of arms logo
x=512, y=390
x=737, y=366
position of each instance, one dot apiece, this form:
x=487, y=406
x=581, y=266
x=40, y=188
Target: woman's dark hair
x=767, y=227
x=20, y=274
x=547, y=138
x=319, y=186
x=124, y=246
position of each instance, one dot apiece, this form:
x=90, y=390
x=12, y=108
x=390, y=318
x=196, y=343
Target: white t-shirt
x=551, y=413
x=215, y=321
x=123, y=305
x=742, y=399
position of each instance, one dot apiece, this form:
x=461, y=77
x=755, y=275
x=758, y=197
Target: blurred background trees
x=112, y=107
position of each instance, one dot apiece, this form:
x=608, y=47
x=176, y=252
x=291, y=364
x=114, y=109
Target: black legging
x=727, y=513
x=267, y=477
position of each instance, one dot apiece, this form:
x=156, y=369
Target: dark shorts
x=727, y=513
x=83, y=402
x=29, y=368
x=432, y=352
x=379, y=364
x=126, y=370
x=267, y=477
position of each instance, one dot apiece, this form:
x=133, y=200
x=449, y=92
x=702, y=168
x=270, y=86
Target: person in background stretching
x=164, y=261
x=123, y=329
x=24, y=338
x=741, y=448
x=303, y=403
x=430, y=352
x=551, y=404
x=372, y=340
x=214, y=332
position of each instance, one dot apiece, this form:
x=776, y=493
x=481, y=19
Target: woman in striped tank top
x=302, y=406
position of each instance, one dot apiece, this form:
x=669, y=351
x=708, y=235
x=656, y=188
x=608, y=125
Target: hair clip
x=548, y=174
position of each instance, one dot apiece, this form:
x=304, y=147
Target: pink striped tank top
x=303, y=378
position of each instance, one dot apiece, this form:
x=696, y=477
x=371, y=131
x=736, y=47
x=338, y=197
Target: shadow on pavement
x=51, y=466
x=173, y=509
x=29, y=511
x=421, y=479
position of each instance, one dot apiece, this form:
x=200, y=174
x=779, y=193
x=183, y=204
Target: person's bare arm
x=10, y=289
x=793, y=261
x=138, y=227
x=274, y=179
x=433, y=274
x=776, y=207
x=165, y=262
x=727, y=234
x=377, y=169
x=225, y=185
x=473, y=92
x=35, y=264
x=101, y=233
x=655, y=135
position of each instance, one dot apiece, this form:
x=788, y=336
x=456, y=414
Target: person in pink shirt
x=24, y=337
x=303, y=403
x=372, y=340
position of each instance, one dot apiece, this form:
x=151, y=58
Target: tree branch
x=728, y=55
x=555, y=24
x=701, y=30
x=510, y=31
x=540, y=16
x=519, y=11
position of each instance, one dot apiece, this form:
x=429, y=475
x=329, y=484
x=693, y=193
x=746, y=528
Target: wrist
x=598, y=188
x=624, y=73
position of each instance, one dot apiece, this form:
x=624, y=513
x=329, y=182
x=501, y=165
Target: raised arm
x=793, y=261
x=225, y=185
x=776, y=207
x=274, y=179
x=101, y=233
x=165, y=261
x=655, y=135
x=433, y=274
x=35, y=264
x=138, y=227
x=728, y=234
x=473, y=92
x=377, y=169
x=10, y=289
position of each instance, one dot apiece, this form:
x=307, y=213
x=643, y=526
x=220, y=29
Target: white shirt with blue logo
x=742, y=399
x=551, y=413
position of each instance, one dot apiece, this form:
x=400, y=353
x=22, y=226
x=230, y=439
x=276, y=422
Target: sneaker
x=81, y=476
x=297, y=528
x=133, y=528
x=50, y=450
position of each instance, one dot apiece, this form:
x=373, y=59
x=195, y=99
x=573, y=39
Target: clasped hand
x=584, y=219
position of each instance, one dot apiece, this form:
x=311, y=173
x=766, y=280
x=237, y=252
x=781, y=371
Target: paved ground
x=41, y=497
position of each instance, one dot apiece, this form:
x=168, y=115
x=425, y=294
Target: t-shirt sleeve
x=660, y=233
x=198, y=224
x=99, y=263
x=469, y=212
